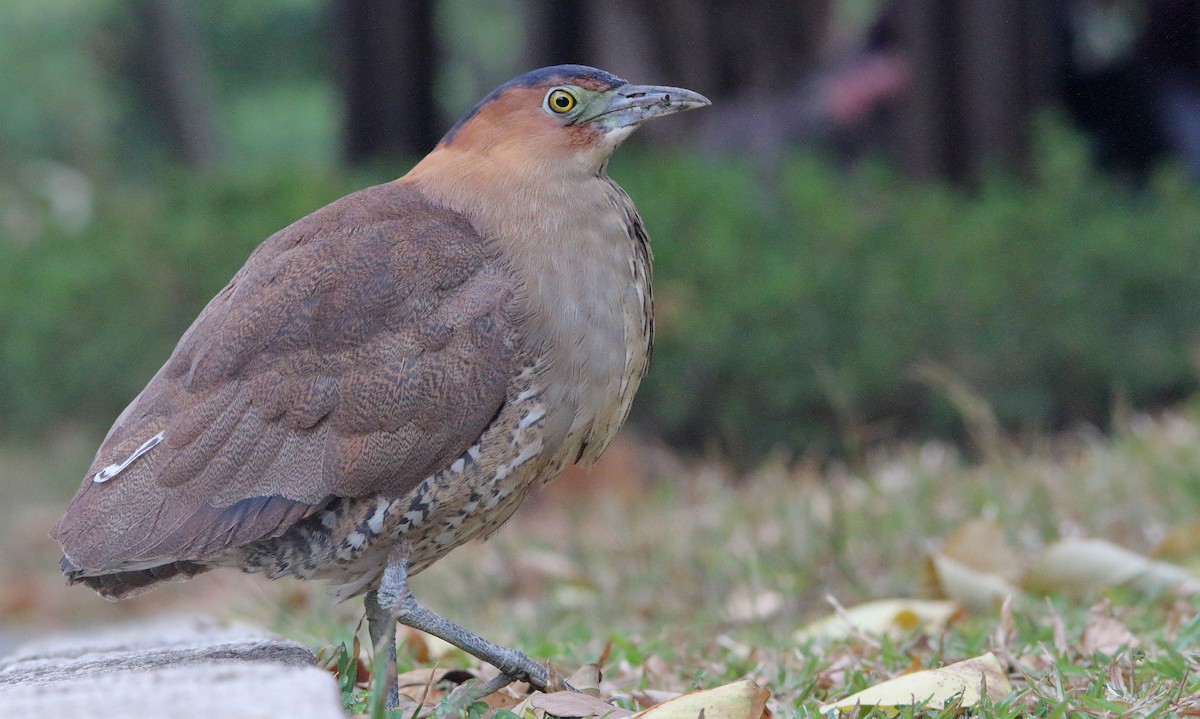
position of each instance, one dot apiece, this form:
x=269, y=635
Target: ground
x=679, y=574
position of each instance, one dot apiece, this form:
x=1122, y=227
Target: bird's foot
x=395, y=601
x=519, y=667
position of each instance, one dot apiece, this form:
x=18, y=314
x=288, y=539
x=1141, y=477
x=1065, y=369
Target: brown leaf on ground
x=586, y=679
x=1004, y=628
x=980, y=544
x=1105, y=633
x=571, y=705
x=1060, y=630
x=583, y=702
x=1188, y=706
x=429, y=685
x=1181, y=545
x=425, y=648
x=362, y=671
x=975, y=566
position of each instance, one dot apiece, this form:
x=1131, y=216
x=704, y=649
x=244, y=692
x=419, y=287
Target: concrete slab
x=167, y=667
x=227, y=689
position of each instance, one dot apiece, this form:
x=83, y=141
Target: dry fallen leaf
x=1058, y=630
x=584, y=702
x=1105, y=633
x=586, y=679
x=883, y=616
x=967, y=585
x=1086, y=566
x=975, y=566
x=980, y=545
x=569, y=705
x=1180, y=545
x=1188, y=706
x=425, y=648
x=739, y=700
x=964, y=683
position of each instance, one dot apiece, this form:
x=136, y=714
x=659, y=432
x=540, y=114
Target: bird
x=389, y=376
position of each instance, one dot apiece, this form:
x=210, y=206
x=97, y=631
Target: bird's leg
x=381, y=626
x=395, y=597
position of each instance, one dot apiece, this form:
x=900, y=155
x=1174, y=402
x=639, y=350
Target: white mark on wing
x=113, y=470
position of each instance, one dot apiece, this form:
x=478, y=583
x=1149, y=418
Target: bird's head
x=563, y=114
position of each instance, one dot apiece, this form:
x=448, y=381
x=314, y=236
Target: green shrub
x=86, y=317
x=795, y=307
x=794, y=302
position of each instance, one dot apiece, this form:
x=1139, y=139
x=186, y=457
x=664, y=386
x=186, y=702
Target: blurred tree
x=758, y=54
x=388, y=57
x=980, y=69
x=176, y=80
x=755, y=57
x=731, y=47
x=560, y=31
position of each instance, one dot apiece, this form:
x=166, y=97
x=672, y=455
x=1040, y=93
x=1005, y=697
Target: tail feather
x=123, y=584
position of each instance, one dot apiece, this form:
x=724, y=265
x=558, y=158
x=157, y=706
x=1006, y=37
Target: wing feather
x=357, y=351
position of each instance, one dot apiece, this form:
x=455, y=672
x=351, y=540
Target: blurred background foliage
x=828, y=276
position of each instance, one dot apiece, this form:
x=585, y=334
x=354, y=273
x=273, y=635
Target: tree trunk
x=560, y=33
x=388, y=53
x=929, y=126
x=179, y=85
x=981, y=67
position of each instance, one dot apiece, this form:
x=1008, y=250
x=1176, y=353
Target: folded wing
x=357, y=351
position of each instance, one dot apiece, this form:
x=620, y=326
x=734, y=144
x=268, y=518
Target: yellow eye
x=560, y=101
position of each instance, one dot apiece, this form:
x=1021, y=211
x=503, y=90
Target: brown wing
x=357, y=351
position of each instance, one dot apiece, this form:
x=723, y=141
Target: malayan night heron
x=388, y=377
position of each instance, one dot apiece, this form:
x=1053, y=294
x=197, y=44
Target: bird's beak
x=631, y=105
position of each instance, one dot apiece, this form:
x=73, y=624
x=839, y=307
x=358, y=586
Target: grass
x=682, y=575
